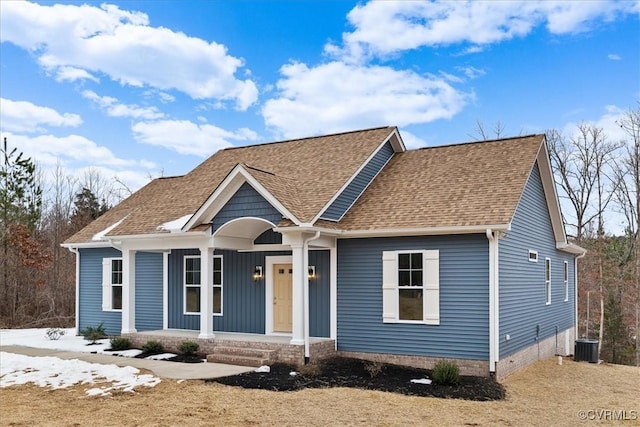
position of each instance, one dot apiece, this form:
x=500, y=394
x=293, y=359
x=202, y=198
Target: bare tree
x=628, y=200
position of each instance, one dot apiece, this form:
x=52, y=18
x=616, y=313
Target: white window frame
x=214, y=285
x=430, y=287
x=547, y=280
x=108, y=283
x=566, y=281
x=533, y=256
x=185, y=286
x=219, y=285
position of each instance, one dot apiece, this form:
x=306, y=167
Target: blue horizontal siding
x=148, y=291
x=319, y=291
x=90, y=310
x=359, y=183
x=245, y=202
x=464, y=299
x=243, y=298
x=523, y=306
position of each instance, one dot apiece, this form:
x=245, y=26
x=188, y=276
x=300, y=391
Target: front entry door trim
x=270, y=262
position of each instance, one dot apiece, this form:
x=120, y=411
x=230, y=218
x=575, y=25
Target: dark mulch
x=356, y=373
x=178, y=358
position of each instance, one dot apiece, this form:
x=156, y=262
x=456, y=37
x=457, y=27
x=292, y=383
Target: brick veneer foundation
x=562, y=345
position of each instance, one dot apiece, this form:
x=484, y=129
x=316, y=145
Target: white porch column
x=206, y=293
x=128, y=291
x=299, y=276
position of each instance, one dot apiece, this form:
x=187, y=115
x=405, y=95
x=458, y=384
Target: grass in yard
x=544, y=394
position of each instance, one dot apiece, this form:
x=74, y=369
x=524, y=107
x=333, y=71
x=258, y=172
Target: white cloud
x=411, y=141
x=71, y=74
x=115, y=109
x=608, y=122
x=186, y=137
x=49, y=149
x=122, y=45
x=384, y=27
x=23, y=116
x=614, y=57
x=336, y=96
x=471, y=72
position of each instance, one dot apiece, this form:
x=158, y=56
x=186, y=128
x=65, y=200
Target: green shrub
x=153, y=347
x=94, y=333
x=188, y=348
x=120, y=343
x=446, y=373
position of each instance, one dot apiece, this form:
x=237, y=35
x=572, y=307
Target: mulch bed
x=177, y=358
x=356, y=373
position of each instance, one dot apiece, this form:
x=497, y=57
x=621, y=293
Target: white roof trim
x=390, y=232
x=226, y=190
x=549, y=187
x=398, y=146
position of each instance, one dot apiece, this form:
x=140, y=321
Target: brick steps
x=243, y=356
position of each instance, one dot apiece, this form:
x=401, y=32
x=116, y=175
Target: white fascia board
x=165, y=241
x=86, y=245
x=226, y=190
x=393, y=232
x=397, y=145
x=551, y=196
x=571, y=248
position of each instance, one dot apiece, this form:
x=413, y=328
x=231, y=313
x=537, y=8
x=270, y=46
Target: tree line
x=597, y=179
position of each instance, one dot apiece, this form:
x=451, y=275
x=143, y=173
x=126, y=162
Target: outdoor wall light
x=257, y=272
x=312, y=272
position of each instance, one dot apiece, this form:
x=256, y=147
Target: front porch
x=239, y=348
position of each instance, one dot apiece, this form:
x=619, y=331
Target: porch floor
x=230, y=336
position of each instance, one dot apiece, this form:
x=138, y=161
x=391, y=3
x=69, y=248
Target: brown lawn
x=544, y=394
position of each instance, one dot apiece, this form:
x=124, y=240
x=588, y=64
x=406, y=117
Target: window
x=410, y=287
x=192, y=284
x=547, y=279
x=217, y=284
x=566, y=281
x=192, y=281
x=112, y=284
x=533, y=256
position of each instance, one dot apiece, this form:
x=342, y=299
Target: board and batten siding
x=243, y=298
x=148, y=291
x=246, y=202
x=90, y=310
x=359, y=183
x=463, y=332
x=524, y=314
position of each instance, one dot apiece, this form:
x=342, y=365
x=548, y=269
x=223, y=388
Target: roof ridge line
x=484, y=141
x=307, y=137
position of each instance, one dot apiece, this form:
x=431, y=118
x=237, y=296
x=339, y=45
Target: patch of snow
x=55, y=373
x=422, y=381
x=293, y=373
x=125, y=353
x=162, y=356
x=175, y=225
x=101, y=234
x=37, y=338
x=263, y=368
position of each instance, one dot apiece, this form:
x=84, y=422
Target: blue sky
x=139, y=89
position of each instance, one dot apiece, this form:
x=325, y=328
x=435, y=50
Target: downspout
x=493, y=301
x=305, y=249
x=575, y=292
x=77, y=308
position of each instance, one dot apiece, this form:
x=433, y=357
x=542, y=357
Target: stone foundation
x=283, y=352
x=479, y=368
x=542, y=350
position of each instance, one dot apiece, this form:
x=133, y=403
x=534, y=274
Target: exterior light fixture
x=257, y=272
x=312, y=272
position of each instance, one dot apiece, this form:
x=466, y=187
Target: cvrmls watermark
x=608, y=415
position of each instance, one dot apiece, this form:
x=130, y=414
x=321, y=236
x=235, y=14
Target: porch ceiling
x=244, y=228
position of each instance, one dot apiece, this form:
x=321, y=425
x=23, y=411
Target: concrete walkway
x=161, y=368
